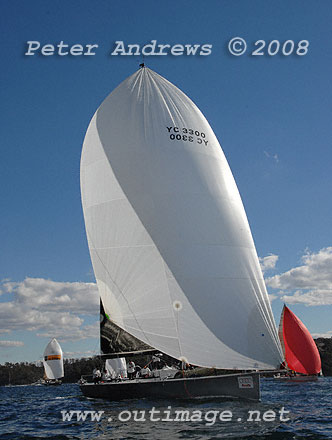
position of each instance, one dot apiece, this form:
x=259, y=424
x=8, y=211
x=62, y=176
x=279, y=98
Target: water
x=34, y=412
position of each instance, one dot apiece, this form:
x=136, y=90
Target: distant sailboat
x=53, y=363
x=299, y=348
x=172, y=252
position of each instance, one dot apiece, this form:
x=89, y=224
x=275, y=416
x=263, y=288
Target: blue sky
x=271, y=114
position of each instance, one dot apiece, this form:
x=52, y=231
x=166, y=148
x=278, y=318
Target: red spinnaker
x=301, y=352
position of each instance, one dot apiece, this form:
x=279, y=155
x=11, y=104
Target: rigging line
x=95, y=348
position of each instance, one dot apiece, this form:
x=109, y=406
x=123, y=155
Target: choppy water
x=34, y=412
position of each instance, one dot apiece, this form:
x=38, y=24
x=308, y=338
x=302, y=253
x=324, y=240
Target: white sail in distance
x=53, y=360
x=171, y=247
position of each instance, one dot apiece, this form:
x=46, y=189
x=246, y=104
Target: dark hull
x=241, y=386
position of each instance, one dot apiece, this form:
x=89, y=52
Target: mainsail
x=115, y=340
x=53, y=360
x=299, y=348
x=171, y=247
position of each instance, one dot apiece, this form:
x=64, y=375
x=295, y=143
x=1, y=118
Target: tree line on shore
x=23, y=373
x=324, y=346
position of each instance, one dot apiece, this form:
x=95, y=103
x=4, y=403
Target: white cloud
x=74, y=333
x=11, y=344
x=310, y=283
x=56, y=296
x=311, y=298
x=73, y=354
x=54, y=309
x=269, y=262
x=272, y=297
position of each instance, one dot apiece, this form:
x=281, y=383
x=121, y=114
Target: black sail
x=115, y=341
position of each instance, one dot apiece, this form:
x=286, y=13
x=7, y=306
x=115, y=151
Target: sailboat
x=300, y=351
x=172, y=252
x=53, y=363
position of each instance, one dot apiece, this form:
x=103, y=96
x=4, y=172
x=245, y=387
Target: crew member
x=156, y=364
x=96, y=375
x=105, y=376
x=131, y=370
x=145, y=372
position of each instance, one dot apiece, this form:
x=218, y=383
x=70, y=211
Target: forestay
x=170, y=243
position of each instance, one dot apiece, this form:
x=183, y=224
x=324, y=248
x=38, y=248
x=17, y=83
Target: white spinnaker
x=53, y=360
x=169, y=240
x=116, y=367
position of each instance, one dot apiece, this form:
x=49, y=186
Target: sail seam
x=104, y=203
